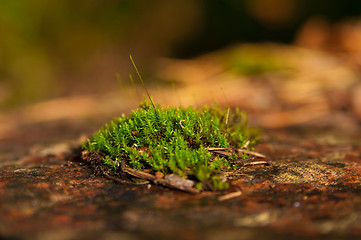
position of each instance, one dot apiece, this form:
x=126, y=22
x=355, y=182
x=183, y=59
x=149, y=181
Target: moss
x=218, y=183
x=172, y=140
x=251, y=60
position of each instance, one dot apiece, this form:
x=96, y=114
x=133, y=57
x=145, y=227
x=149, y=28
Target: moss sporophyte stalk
x=172, y=141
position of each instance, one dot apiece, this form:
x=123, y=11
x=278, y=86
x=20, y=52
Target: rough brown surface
x=310, y=190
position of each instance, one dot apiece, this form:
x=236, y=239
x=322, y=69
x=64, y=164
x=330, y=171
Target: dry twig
x=229, y=196
x=222, y=151
x=175, y=183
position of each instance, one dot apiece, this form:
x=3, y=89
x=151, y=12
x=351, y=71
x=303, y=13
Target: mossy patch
x=252, y=60
x=172, y=140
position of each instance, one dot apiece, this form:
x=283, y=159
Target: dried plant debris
x=182, y=148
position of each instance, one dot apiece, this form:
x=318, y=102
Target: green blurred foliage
x=252, y=60
x=64, y=47
x=41, y=39
x=46, y=45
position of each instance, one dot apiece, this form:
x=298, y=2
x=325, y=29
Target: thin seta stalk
x=141, y=80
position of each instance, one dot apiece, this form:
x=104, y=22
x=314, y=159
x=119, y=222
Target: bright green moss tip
x=172, y=140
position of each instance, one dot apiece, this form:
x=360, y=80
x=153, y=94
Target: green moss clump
x=172, y=140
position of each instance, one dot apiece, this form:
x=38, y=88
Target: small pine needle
x=135, y=87
x=228, y=108
x=141, y=80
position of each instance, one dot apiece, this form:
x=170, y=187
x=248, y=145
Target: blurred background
x=292, y=65
x=64, y=48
